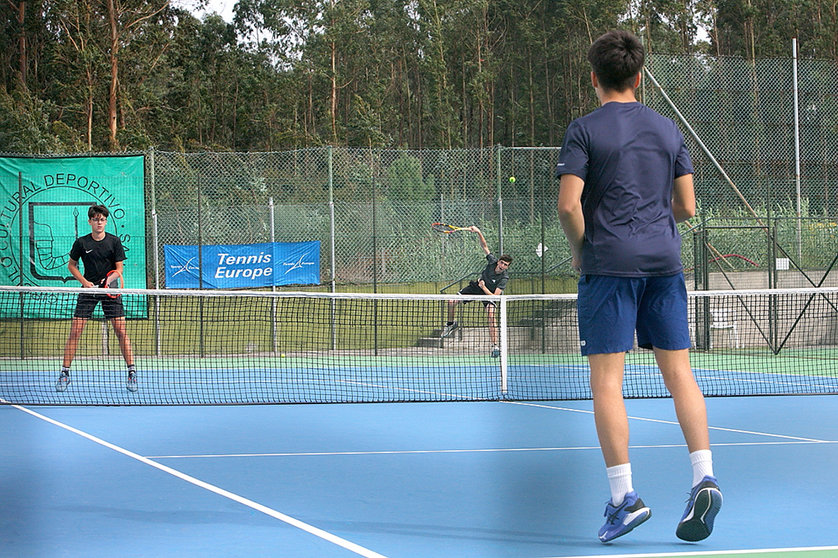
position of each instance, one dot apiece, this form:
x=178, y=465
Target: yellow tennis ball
x=282, y=355
x=512, y=179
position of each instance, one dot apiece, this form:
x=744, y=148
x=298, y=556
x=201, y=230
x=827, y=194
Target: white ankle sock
x=702, y=462
x=619, y=479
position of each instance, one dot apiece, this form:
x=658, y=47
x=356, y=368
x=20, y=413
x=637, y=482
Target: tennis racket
x=113, y=280
x=447, y=229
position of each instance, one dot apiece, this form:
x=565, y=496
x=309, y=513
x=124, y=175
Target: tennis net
x=246, y=347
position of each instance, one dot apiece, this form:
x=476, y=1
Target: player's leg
x=606, y=307
x=127, y=352
x=452, y=306
x=686, y=395
x=625, y=510
x=609, y=408
x=493, y=329
x=115, y=312
x=490, y=319
x=124, y=341
x=452, y=325
x=70, y=347
x=662, y=323
x=76, y=329
x=705, y=500
x=84, y=310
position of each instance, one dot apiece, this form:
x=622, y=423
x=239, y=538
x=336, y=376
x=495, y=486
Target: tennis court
x=424, y=479
x=491, y=457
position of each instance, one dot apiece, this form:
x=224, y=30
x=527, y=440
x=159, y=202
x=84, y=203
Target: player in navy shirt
x=101, y=253
x=624, y=152
x=626, y=179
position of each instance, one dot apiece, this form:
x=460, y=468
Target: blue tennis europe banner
x=238, y=266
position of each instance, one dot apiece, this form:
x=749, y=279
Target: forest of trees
x=114, y=75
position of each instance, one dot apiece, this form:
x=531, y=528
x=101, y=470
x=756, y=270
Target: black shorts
x=474, y=289
x=112, y=307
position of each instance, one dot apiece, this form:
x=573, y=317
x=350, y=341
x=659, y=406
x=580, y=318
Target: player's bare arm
x=683, y=198
x=119, y=270
x=481, y=238
x=570, y=215
x=482, y=284
x=73, y=267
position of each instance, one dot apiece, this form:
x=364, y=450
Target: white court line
x=717, y=552
x=672, y=422
x=477, y=450
x=334, y=539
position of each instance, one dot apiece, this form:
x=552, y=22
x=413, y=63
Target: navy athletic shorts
x=611, y=309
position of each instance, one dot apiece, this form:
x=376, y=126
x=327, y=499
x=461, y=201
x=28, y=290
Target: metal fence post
x=332, y=264
x=273, y=285
x=155, y=241
x=200, y=269
x=500, y=200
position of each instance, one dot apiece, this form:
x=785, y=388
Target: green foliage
x=367, y=73
x=811, y=242
x=25, y=125
x=406, y=183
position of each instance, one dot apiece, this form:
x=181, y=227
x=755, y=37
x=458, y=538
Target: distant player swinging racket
x=491, y=283
x=102, y=255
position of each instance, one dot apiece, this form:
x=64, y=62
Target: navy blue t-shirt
x=628, y=156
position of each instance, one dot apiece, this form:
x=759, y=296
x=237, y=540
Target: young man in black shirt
x=492, y=282
x=101, y=253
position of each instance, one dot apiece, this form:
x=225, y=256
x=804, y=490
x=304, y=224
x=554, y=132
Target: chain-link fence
x=370, y=209
x=762, y=138
x=744, y=114
x=757, y=180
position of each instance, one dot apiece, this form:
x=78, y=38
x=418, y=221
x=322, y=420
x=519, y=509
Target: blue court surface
x=479, y=479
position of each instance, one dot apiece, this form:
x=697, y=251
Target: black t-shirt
x=491, y=278
x=98, y=256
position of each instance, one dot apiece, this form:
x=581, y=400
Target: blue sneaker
x=495, y=351
x=621, y=519
x=704, y=503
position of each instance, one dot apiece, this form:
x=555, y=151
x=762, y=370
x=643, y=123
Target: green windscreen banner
x=43, y=209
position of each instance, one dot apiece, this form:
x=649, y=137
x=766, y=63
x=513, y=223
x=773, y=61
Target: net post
x=504, y=345
x=22, y=331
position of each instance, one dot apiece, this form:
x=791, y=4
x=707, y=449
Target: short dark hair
x=505, y=258
x=97, y=210
x=616, y=58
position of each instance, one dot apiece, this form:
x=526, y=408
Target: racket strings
x=445, y=228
